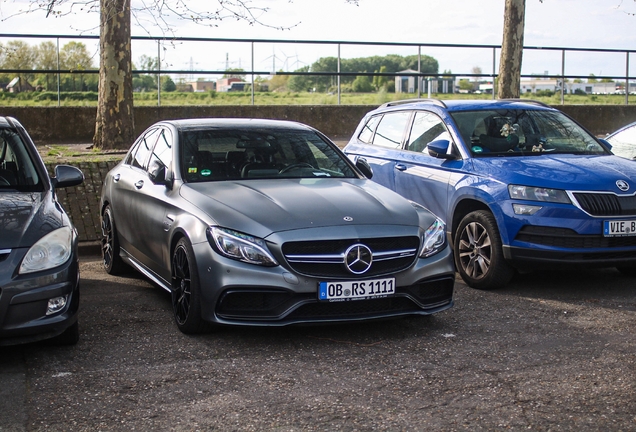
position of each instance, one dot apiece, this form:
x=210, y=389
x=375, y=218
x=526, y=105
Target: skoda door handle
x=400, y=167
x=139, y=184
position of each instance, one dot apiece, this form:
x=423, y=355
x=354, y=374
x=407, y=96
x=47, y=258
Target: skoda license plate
x=619, y=228
x=349, y=290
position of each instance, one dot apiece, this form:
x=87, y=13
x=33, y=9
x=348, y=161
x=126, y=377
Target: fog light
x=55, y=305
x=523, y=209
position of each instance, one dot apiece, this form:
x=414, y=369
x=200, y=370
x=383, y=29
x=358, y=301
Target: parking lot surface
x=552, y=351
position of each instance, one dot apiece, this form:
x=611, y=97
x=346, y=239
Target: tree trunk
x=114, y=127
x=511, y=50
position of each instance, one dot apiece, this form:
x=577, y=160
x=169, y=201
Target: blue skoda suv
x=520, y=184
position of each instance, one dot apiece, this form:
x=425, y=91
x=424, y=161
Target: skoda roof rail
x=408, y=101
x=530, y=101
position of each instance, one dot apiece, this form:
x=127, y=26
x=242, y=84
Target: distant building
x=408, y=83
x=225, y=84
x=18, y=85
x=203, y=86
x=554, y=85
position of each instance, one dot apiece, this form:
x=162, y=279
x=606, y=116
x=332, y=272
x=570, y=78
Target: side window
x=139, y=155
x=426, y=127
x=390, y=131
x=366, y=136
x=163, y=149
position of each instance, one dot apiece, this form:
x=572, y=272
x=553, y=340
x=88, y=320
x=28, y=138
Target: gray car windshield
x=523, y=132
x=17, y=171
x=217, y=154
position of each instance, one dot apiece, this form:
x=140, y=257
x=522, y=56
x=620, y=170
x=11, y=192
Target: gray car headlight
x=51, y=251
x=434, y=239
x=538, y=194
x=239, y=246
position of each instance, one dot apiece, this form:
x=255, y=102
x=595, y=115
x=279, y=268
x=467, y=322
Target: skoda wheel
x=186, y=291
x=113, y=263
x=478, y=253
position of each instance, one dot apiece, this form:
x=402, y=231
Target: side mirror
x=157, y=172
x=67, y=176
x=605, y=143
x=439, y=149
x=364, y=167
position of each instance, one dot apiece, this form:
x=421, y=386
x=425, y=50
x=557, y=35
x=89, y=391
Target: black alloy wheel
x=113, y=264
x=186, y=294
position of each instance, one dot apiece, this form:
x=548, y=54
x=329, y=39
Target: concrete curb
x=89, y=248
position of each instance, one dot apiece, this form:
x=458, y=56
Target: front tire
x=478, y=252
x=186, y=290
x=113, y=264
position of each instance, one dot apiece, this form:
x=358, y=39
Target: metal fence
x=494, y=51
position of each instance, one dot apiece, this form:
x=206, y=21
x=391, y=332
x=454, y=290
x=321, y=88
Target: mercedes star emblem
x=358, y=258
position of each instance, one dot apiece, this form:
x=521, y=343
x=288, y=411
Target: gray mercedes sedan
x=267, y=223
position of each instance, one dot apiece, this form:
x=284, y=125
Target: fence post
x=338, y=74
x=627, y=78
x=419, y=71
x=158, y=72
x=562, y=77
x=58, y=72
x=494, y=70
x=252, y=72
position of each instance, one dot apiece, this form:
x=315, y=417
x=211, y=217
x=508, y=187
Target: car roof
x=235, y=123
x=467, y=104
x=621, y=130
x=4, y=122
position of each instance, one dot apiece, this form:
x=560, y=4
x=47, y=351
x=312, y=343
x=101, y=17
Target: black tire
x=186, y=291
x=113, y=264
x=478, y=253
x=627, y=270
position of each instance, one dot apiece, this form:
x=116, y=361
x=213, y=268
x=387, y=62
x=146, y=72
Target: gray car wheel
x=478, y=253
x=186, y=290
x=113, y=264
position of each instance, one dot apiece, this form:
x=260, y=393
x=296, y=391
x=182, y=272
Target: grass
x=289, y=98
x=68, y=153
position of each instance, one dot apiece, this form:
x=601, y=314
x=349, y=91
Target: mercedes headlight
x=241, y=247
x=434, y=239
x=51, y=251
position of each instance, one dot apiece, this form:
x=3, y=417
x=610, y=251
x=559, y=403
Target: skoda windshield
x=520, y=132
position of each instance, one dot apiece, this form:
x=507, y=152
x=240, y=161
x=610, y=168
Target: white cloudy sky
x=607, y=24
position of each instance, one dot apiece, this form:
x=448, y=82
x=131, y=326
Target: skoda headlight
x=538, y=194
x=241, y=247
x=51, y=251
x=434, y=239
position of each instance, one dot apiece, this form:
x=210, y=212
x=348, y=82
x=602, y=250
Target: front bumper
x=242, y=294
x=562, y=236
x=24, y=300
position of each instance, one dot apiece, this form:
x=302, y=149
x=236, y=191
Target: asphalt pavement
x=554, y=351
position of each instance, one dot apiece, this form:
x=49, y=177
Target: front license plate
x=619, y=228
x=348, y=290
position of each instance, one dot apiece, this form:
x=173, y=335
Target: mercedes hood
x=262, y=207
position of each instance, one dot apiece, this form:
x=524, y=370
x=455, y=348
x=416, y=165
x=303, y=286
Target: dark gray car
x=39, y=272
x=264, y=222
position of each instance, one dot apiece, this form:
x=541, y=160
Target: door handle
x=139, y=184
x=400, y=167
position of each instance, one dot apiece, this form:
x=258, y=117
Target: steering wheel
x=4, y=181
x=295, y=166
